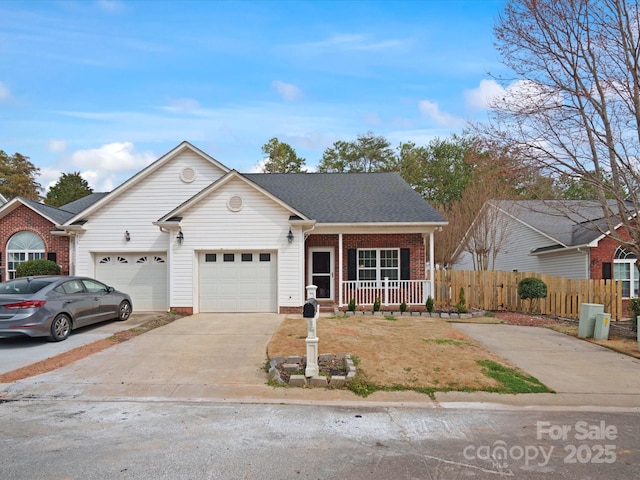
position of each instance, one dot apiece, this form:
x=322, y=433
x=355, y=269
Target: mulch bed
x=621, y=328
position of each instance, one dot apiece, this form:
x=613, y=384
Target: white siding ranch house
x=190, y=235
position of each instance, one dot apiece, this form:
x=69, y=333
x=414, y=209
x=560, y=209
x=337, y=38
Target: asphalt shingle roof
x=570, y=222
x=349, y=197
x=79, y=205
x=65, y=212
x=57, y=215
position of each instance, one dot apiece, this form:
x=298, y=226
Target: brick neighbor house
x=28, y=232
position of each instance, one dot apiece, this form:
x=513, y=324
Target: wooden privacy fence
x=492, y=290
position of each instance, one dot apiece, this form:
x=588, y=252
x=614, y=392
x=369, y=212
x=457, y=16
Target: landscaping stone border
x=396, y=313
x=297, y=363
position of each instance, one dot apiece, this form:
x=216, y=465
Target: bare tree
x=488, y=235
x=574, y=106
x=496, y=174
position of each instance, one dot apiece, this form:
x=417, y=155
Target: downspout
x=170, y=261
x=340, y=269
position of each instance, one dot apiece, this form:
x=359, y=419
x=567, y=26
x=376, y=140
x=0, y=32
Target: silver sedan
x=52, y=306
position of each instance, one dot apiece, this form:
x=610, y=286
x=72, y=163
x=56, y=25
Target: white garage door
x=238, y=282
x=141, y=275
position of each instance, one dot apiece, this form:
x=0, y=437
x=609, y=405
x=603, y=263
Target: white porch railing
x=389, y=292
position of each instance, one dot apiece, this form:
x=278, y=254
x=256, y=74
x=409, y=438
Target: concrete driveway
x=581, y=373
x=202, y=355
x=18, y=352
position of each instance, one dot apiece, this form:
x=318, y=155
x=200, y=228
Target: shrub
x=532, y=289
x=429, y=304
x=352, y=305
x=376, y=305
x=634, y=306
x=37, y=267
x=461, y=306
x=403, y=307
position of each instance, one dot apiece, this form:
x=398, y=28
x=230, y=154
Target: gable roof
x=82, y=203
x=349, y=197
x=568, y=223
x=57, y=216
x=233, y=174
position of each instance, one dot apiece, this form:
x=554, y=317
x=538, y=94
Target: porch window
x=21, y=247
x=376, y=264
x=625, y=270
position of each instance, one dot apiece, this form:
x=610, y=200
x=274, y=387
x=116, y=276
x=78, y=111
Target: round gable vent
x=235, y=203
x=188, y=174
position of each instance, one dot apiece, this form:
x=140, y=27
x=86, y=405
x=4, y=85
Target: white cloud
x=525, y=95
x=113, y=157
x=432, y=110
x=48, y=177
x=287, y=91
x=481, y=97
x=373, y=119
x=56, y=146
x=102, y=167
x=351, y=41
x=111, y=5
x=5, y=94
x=189, y=105
x=98, y=181
x=258, y=167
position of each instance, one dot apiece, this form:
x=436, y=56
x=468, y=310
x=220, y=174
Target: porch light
x=290, y=236
x=127, y=237
x=180, y=237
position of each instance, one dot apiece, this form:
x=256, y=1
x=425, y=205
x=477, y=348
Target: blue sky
x=106, y=87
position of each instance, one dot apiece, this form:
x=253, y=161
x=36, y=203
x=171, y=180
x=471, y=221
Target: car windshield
x=24, y=286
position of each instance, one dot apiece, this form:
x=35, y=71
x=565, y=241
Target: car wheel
x=124, y=311
x=60, y=328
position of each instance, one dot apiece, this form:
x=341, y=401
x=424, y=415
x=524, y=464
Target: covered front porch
x=368, y=267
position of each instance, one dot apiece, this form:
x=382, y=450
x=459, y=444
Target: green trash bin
x=601, y=331
x=587, y=324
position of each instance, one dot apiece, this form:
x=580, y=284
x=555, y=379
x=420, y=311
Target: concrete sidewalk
x=219, y=358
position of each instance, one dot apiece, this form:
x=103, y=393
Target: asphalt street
x=54, y=440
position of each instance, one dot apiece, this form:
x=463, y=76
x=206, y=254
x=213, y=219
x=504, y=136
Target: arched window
x=23, y=246
x=625, y=270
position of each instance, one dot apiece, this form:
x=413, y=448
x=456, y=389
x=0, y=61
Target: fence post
x=385, y=285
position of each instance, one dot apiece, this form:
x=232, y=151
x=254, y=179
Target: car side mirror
x=110, y=289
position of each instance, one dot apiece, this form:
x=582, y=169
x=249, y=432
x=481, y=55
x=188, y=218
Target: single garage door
x=141, y=275
x=238, y=282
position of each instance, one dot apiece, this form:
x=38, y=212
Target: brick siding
x=25, y=219
x=413, y=241
x=604, y=252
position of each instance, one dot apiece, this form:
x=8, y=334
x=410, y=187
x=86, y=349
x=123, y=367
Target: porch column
x=431, y=262
x=340, y=269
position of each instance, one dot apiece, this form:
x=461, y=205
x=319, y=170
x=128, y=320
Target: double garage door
x=238, y=281
x=143, y=276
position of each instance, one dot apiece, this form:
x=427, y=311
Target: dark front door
x=322, y=273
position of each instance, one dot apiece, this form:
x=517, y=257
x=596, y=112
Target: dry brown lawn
x=412, y=352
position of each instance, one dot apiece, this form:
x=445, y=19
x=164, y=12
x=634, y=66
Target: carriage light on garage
x=290, y=236
x=180, y=237
x=127, y=237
